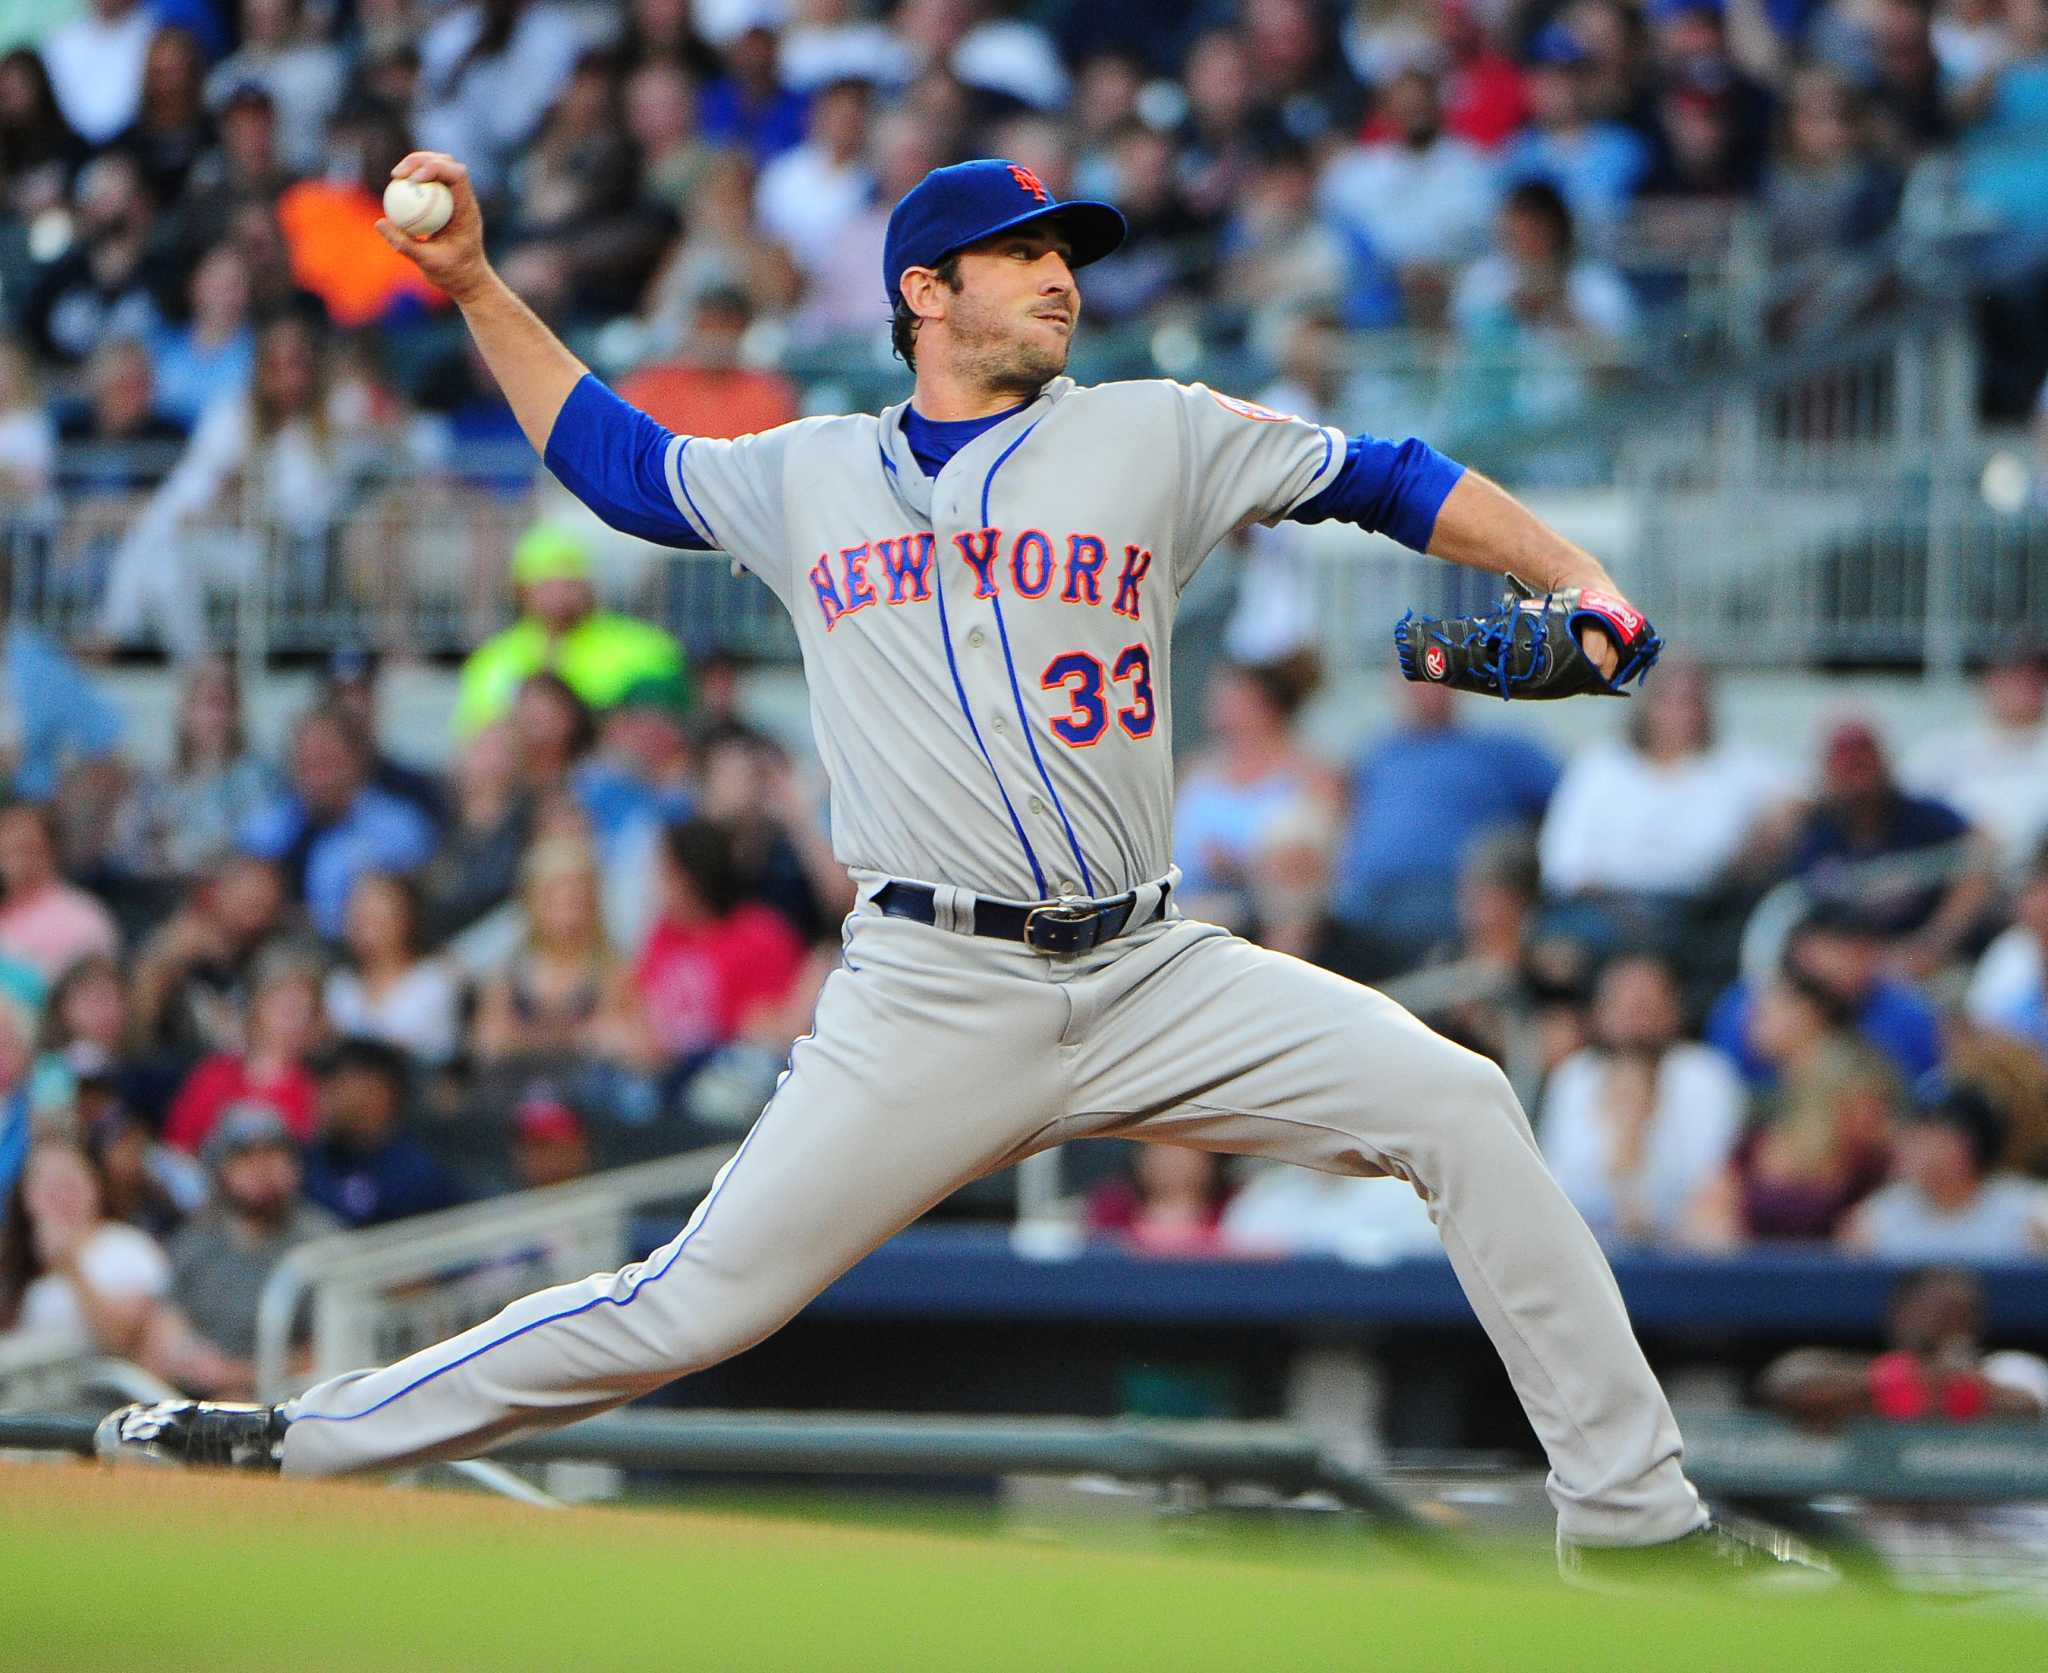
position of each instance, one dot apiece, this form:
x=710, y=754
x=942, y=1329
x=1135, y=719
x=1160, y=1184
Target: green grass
x=140, y=1571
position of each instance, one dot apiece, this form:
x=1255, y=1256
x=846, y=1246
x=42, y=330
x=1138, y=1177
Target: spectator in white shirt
x=840, y=297
x=389, y=992
x=1000, y=54
x=489, y=73
x=1666, y=813
x=1421, y=197
x=2009, y=990
x=282, y=458
x=809, y=194
x=28, y=439
x=824, y=42
x=1296, y=1211
x=304, y=77
x=1634, y=1125
x=1950, y=1198
x=69, y=1276
x=1995, y=773
x=1559, y=315
x=95, y=63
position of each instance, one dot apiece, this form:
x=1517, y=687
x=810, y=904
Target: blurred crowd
x=197, y=313
x=246, y=999
x=1746, y=997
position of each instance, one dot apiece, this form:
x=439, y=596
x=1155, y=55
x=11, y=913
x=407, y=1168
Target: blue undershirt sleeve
x=613, y=458
x=1393, y=488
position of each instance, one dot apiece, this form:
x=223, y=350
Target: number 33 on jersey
x=988, y=650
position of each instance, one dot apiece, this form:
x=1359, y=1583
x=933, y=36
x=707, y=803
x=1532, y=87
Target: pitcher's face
x=1013, y=318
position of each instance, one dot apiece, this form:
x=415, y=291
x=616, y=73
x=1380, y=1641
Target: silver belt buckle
x=1068, y=909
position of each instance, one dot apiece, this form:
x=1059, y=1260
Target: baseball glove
x=1529, y=647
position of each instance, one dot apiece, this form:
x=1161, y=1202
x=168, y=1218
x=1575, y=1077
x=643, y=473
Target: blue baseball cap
x=953, y=207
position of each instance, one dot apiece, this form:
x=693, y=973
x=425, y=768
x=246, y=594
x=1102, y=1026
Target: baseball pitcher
x=984, y=580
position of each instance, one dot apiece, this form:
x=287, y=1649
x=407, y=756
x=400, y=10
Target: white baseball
x=420, y=207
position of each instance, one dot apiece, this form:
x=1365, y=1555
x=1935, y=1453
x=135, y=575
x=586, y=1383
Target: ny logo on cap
x=1029, y=182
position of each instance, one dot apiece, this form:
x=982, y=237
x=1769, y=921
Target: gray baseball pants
x=937, y=1058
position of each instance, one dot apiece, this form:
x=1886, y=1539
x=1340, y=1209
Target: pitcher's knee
x=1478, y=1110
x=1463, y=1079
x=699, y=1325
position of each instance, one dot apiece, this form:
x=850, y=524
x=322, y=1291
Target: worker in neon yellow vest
x=561, y=630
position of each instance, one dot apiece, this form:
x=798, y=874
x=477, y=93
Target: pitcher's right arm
x=532, y=365
x=609, y=455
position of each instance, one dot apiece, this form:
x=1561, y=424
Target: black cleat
x=1722, y=1553
x=208, y=1433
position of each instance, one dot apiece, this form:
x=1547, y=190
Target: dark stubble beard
x=1000, y=361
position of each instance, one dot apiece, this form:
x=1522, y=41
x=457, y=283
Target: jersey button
x=999, y=724
x=1037, y=806
x=977, y=638
x=1068, y=886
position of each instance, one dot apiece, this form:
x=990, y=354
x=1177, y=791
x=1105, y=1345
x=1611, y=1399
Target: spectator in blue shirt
x=748, y=107
x=334, y=824
x=2007, y=110
x=1838, y=951
x=352, y=684
x=642, y=771
x=59, y=719
x=16, y=1116
x=213, y=354
x=2004, y=114
x=1254, y=791
x=1419, y=797
x=1915, y=865
x=365, y=1168
x=2009, y=989
x=1597, y=165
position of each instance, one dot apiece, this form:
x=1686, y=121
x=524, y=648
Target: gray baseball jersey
x=987, y=654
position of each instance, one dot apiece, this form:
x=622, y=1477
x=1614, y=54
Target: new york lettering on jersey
x=842, y=587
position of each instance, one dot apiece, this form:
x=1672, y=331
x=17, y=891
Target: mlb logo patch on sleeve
x=1247, y=409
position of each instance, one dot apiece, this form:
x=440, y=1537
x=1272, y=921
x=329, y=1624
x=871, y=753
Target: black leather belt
x=1046, y=926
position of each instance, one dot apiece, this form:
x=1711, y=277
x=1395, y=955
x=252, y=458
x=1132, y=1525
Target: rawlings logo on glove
x=1530, y=647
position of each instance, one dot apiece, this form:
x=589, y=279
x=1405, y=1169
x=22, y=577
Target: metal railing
x=1782, y=468
x=370, y=1297
x=1905, y=569
x=1874, y=560
x=416, y=560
